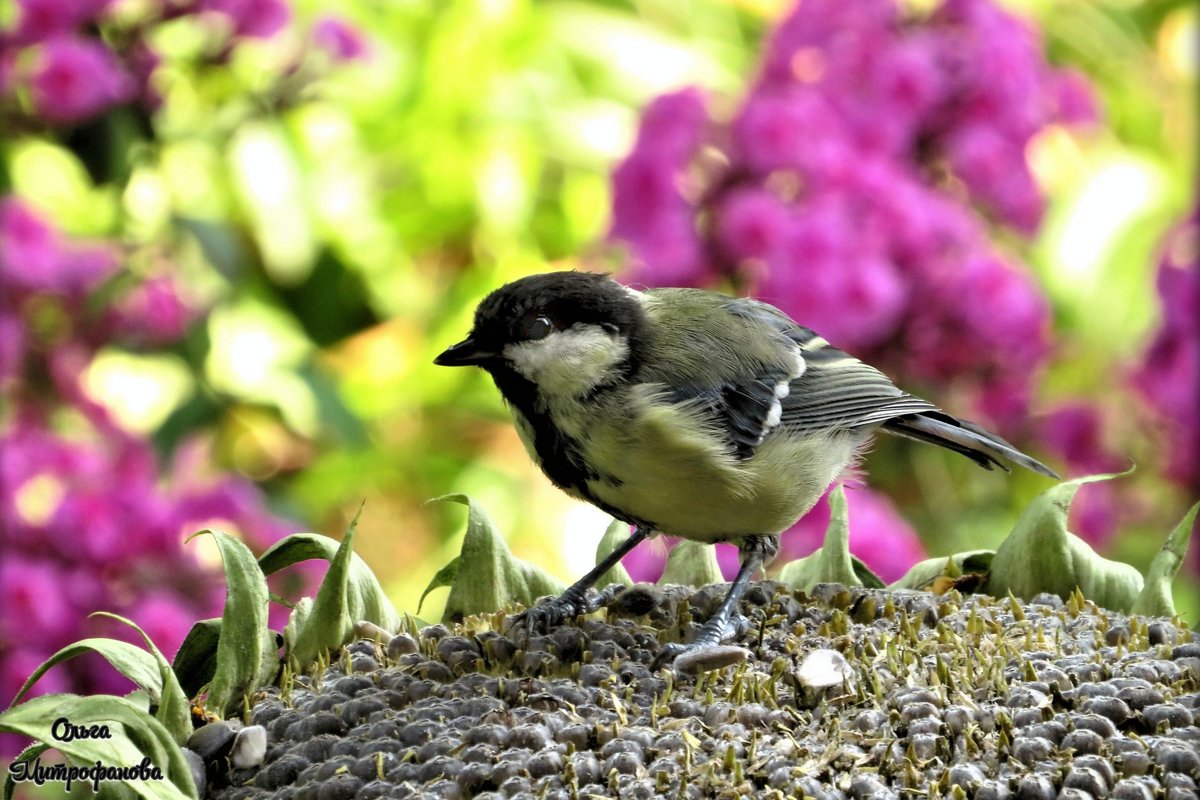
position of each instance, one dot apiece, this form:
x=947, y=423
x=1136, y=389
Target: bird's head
x=564, y=332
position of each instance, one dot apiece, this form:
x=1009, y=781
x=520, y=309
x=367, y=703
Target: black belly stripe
x=559, y=455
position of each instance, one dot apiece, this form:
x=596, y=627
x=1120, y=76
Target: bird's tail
x=967, y=438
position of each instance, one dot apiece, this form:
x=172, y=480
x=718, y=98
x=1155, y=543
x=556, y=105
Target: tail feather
x=966, y=438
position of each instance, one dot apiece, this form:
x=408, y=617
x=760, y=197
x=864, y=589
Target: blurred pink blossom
x=38, y=20
x=340, y=39
x=165, y=619
x=77, y=78
x=31, y=249
x=260, y=19
x=34, y=256
x=31, y=603
x=154, y=312
x=1169, y=374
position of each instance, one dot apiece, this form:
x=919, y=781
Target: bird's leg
x=756, y=552
x=577, y=600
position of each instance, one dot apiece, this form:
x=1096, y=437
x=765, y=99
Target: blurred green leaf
x=923, y=573
x=692, y=564
x=135, y=735
x=832, y=562
x=614, y=534
x=1041, y=555
x=196, y=660
x=247, y=656
x=174, y=710
x=489, y=575
x=130, y=660
x=1156, y=598
x=220, y=243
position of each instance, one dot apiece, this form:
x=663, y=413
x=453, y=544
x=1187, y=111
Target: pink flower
x=165, y=619
x=1074, y=101
x=38, y=20
x=259, y=19
x=752, y=223
x=31, y=249
x=33, y=607
x=1169, y=375
x=340, y=39
x=785, y=130
x=12, y=346
x=77, y=78
x=154, y=313
x=673, y=124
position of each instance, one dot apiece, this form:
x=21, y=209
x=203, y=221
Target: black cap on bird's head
x=532, y=308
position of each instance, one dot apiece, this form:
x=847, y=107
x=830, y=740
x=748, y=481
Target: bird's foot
x=570, y=604
x=706, y=651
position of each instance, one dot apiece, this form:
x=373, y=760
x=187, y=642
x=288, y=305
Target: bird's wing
x=838, y=391
x=834, y=390
x=731, y=360
x=762, y=371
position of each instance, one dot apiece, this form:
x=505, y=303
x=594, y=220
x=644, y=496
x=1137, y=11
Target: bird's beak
x=464, y=354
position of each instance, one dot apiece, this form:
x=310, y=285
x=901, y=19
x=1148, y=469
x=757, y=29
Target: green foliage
x=134, y=735
x=486, y=575
x=1041, y=555
x=247, y=655
x=196, y=661
x=349, y=594
x=832, y=562
x=1156, y=598
x=692, y=564
x=174, y=711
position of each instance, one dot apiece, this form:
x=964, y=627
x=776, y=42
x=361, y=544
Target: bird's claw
x=551, y=613
x=707, y=650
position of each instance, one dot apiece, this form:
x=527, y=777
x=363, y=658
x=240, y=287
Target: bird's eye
x=538, y=327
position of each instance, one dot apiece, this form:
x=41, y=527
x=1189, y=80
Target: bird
x=690, y=413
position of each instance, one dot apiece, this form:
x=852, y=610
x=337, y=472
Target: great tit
x=689, y=413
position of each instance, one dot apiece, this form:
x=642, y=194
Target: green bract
x=1041, y=555
x=832, y=562
x=486, y=575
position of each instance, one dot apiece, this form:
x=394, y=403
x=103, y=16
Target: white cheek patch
x=569, y=363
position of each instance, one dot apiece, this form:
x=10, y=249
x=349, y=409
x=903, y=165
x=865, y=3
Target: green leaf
x=297, y=621
x=28, y=754
x=444, y=577
x=692, y=564
x=1041, y=555
x=130, y=660
x=832, y=562
x=364, y=597
x=330, y=622
x=196, y=661
x=614, y=534
x=134, y=735
x=247, y=656
x=174, y=711
x=489, y=575
x=923, y=573
x=1156, y=599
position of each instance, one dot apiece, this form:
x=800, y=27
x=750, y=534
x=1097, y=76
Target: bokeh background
x=234, y=233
